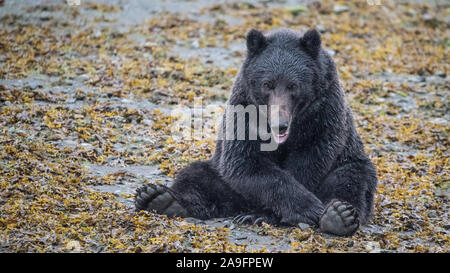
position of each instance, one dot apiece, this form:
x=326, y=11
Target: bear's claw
x=251, y=219
x=152, y=197
x=339, y=218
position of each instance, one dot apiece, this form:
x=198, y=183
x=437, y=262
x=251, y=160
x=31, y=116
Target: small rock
x=21, y=133
x=99, y=151
x=83, y=77
x=373, y=247
x=321, y=28
x=339, y=9
x=33, y=85
x=87, y=146
x=69, y=143
x=133, y=147
x=147, y=122
x=303, y=226
x=115, y=232
x=432, y=214
x=126, y=101
x=440, y=73
x=71, y=100
x=195, y=44
x=73, y=246
x=331, y=52
x=111, y=158
x=329, y=244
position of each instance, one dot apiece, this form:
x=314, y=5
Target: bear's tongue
x=280, y=138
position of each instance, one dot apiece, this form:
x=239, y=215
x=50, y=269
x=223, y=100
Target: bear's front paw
x=158, y=198
x=339, y=218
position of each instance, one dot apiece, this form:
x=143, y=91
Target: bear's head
x=287, y=69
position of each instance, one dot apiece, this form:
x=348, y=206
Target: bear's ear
x=311, y=42
x=256, y=42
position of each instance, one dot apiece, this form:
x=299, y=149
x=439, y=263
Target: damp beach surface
x=87, y=92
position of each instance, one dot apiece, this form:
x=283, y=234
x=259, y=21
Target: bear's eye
x=269, y=85
x=292, y=86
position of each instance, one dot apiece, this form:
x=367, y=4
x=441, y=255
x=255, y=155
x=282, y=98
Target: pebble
x=33, y=85
x=87, y=146
x=440, y=73
x=339, y=9
x=111, y=158
x=303, y=226
x=147, y=122
x=373, y=247
x=195, y=44
x=126, y=101
x=83, y=77
x=432, y=214
x=73, y=246
x=321, y=28
x=71, y=100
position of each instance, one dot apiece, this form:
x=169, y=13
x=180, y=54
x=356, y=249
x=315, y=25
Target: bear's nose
x=282, y=127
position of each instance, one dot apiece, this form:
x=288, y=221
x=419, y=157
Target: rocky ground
x=86, y=94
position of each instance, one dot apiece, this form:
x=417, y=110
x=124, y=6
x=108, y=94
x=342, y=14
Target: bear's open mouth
x=281, y=138
x=281, y=133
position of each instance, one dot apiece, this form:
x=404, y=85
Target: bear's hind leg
x=160, y=199
x=198, y=192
